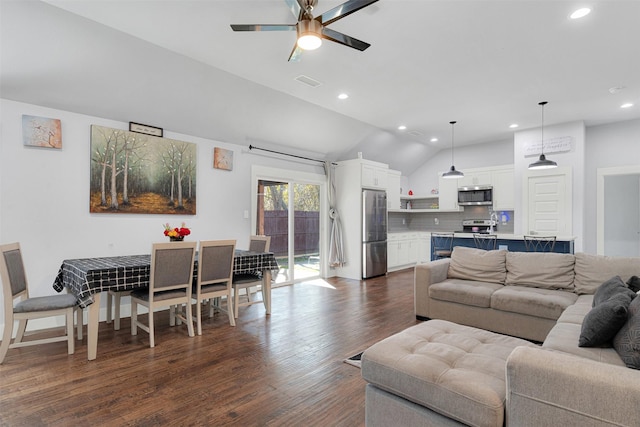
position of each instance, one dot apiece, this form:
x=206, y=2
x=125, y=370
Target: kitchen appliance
x=374, y=233
x=475, y=195
x=481, y=226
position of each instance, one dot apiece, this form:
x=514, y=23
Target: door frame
x=601, y=174
x=291, y=176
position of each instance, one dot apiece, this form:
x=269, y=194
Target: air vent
x=308, y=81
x=415, y=133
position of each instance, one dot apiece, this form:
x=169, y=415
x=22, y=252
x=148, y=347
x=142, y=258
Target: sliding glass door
x=289, y=210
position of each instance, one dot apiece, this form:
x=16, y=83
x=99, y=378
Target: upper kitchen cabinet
x=448, y=197
x=393, y=189
x=375, y=175
x=503, y=181
x=473, y=178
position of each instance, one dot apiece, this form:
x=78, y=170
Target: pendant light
x=542, y=162
x=453, y=173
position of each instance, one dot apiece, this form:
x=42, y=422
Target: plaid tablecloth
x=87, y=276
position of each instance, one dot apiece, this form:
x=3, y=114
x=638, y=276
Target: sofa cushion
x=627, y=340
x=477, y=264
x=604, y=321
x=564, y=337
x=467, y=292
x=454, y=370
x=575, y=313
x=592, y=270
x=545, y=303
x=610, y=288
x=540, y=270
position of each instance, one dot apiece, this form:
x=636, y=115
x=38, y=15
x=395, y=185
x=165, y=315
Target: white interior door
x=549, y=205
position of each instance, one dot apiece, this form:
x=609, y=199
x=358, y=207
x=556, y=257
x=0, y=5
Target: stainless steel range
x=482, y=226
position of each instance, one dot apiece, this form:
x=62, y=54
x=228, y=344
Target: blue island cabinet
x=562, y=246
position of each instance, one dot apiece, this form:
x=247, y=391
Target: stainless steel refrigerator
x=374, y=233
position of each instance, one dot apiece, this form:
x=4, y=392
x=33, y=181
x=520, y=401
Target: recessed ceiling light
x=626, y=105
x=580, y=13
x=513, y=125
x=434, y=140
x=402, y=127
x=343, y=96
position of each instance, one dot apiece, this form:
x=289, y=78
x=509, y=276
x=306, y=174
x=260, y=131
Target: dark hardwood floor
x=283, y=369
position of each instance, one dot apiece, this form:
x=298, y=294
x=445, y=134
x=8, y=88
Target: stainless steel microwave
x=475, y=195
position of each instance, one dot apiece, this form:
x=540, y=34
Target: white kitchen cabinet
x=393, y=189
x=374, y=176
x=448, y=197
x=424, y=247
x=406, y=249
x=473, y=178
x=503, y=181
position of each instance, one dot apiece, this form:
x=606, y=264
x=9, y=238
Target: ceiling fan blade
x=296, y=8
x=263, y=27
x=343, y=39
x=345, y=9
x=296, y=53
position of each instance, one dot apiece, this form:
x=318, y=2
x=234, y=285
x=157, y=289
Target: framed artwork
x=222, y=159
x=146, y=129
x=41, y=132
x=137, y=173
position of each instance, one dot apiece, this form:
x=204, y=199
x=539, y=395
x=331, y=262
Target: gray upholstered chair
x=441, y=245
x=539, y=243
x=170, y=282
x=215, y=271
x=488, y=242
x=248, y=280
x=15, y=286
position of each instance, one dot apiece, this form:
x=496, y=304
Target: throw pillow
x=634, y=283
x=627, y=340
x=604, y=321
x=610, y=288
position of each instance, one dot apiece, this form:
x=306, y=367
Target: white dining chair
x=15, y=286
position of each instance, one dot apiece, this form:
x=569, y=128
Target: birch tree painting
x=137, y=173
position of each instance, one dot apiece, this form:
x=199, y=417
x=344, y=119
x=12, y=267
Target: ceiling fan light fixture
x=309, y=34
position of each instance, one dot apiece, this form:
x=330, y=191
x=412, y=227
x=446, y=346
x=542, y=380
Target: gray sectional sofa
x=442, y=372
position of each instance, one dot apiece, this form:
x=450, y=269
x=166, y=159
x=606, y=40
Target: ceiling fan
x=312, y=30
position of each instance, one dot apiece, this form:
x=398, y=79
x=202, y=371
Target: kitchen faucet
x=493, y=220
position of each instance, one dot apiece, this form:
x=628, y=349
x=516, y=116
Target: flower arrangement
x=176, y=233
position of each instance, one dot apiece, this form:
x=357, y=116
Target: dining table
x=87, y=278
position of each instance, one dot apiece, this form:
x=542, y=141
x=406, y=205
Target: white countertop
x=503, y=236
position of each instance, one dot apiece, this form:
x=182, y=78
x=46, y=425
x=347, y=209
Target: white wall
x=612, y=145
x=44, y=197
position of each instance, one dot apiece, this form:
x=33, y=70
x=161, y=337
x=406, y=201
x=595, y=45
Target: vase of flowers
x=176, y=234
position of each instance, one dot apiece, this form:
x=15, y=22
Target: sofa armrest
x=552, y=388
x=424, y=276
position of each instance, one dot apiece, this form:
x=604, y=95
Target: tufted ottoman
x=438, y=373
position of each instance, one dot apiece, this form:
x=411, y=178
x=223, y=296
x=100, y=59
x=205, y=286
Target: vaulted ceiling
x=178, y=65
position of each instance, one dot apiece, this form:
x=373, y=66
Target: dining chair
x=214, y=280
x=539, y=243
x=248, y=280
x=15, y=286
x=170, y=283
x=441, y=245
x=488, y=242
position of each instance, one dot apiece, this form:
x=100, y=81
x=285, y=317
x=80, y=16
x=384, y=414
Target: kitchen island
x=515, y=242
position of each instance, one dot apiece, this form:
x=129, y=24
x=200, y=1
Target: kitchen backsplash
x=446, y=221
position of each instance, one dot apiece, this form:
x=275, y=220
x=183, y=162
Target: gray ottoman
x=438, y=373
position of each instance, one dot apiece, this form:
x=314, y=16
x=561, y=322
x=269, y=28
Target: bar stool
x=488, y=242
x=539, y=243
x=441, y=245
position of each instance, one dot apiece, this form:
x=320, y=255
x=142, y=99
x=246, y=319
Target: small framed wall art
x=146, y=129
x=41, y=132
x=222, y=159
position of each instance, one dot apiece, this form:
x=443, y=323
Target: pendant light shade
x=453, y=173
x=542, y=162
